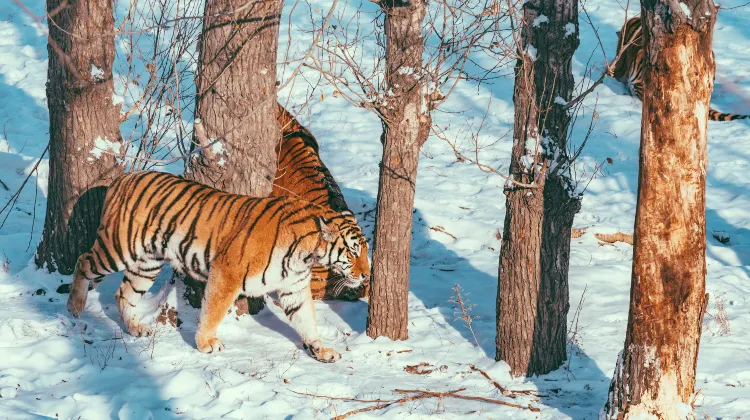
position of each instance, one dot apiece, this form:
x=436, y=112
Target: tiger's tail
x=714, y=115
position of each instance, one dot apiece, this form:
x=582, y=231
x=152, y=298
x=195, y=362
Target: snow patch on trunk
x=103, y=145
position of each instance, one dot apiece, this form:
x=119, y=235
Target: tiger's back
x=630, y=67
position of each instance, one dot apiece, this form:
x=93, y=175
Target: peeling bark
x=655, y=375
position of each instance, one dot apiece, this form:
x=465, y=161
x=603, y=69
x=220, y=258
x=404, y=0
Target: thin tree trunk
x=406, y=124
x=655, y=373
x=84, y=129
x=236, y=102
x=532, y=300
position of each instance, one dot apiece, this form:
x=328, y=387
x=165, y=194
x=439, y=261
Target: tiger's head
x=346, y=250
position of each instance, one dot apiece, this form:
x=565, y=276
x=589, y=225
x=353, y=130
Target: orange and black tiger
x=301, y=173
x=629, y=68
x=238, y=245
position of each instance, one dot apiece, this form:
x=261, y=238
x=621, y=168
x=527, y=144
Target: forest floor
x=52, y=366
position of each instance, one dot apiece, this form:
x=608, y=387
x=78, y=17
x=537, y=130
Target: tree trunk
x=406, y=124
x=655, y=373
x=532, y=299
x=236, y=101
x=84, y=129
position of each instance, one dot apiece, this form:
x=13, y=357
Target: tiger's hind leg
x=90, y=268
x=137, y=281
x=299, y=308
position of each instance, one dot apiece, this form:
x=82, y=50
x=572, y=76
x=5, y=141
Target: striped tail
x=714, y=115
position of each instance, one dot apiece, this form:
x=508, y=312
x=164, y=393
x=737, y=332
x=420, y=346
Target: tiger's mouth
x=343, y=280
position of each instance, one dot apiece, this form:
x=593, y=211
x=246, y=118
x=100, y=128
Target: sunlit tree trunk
x=84, y=128
x=655, y=372
x=532, y=299
x=406, y=125
x=236, y=103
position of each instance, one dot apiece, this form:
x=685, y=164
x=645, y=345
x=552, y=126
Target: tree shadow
x=435, y=270
x=86, y=349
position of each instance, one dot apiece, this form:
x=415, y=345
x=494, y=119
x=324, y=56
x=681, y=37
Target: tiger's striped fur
x=301, y=173
x=629, y=69
x=239, y=245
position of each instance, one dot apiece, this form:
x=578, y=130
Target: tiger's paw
x=137, y=329
x=76, y=303
x=322, y=354
x=209, y=345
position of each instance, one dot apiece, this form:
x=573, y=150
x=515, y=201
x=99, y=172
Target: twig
x=399, y=401
x=506, y=392
x=419, y=394
x=495, y=383
x=442, y=230
x=454, y=394
x=338, y=398
x=17, y=194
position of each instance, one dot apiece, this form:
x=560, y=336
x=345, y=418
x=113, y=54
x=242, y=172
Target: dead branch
x=454, y=394
x=337, y=398
x=611, y=238
x=576, y=233
x=506, y=392
x=442, y=230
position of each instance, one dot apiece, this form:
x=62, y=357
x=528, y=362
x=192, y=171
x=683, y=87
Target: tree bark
x=655, y=373
x=236, y=101
x=84, y=129
x=406, y=124
x=532, y=299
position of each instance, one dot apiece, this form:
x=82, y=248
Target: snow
x=52, y=365
x=104, y=145
x=539, y=20
x=97, y=74
x=570, y=29
x=685, y=9
x=531, y=51
x=406, y=70
x=218, y=146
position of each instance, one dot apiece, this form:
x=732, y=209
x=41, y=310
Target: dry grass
x=463, y=310
x=719, y=316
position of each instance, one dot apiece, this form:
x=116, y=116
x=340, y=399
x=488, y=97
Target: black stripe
x=293, y=310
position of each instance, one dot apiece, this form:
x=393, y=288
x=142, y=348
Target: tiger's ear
x=347, y=213
x=327, y=230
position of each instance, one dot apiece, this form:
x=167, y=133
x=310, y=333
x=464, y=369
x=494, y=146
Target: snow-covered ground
x=52, y=366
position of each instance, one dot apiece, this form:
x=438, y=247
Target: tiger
x=238, y=245
x=629, y=68
x=301, y=173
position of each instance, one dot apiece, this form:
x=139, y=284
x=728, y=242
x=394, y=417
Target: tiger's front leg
x=299, y=308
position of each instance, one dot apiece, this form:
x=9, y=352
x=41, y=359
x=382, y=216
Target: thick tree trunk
x=406, y=124
x=532, y=299
x=84, y=129
x=236, y=102
x=655, y=373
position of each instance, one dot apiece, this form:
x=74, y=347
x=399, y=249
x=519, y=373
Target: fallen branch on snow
x=416, y=394
x=507, y=392
x=611, y=238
